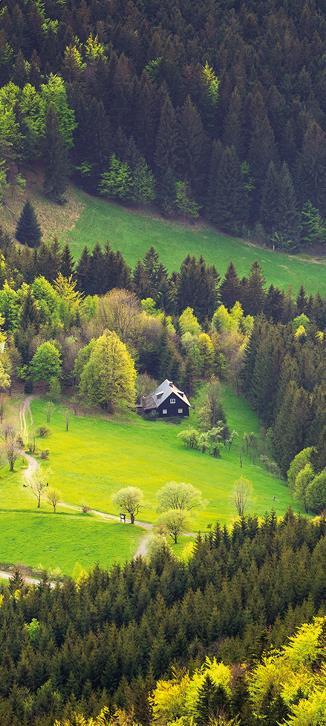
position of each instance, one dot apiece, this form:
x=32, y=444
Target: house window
x=180, y=410
x=164, y=411
x=172, y=400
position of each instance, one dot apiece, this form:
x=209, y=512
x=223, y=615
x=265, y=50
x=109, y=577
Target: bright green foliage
x=174, y=522
x=3, y=180
x=294, y=672
x=46, y=363
x=94, y=49
x=313, y=225
x=178, y=698
x=188, y=322
x=301, y=320
x=299, y=462
x=185, y=205
x=316, y=493
x=54, y=94
x=211, y=81
x=32, y=630
x=178, y=495
x=108, y=379
x=117, y=182
x=130, y=500
x=303, y=479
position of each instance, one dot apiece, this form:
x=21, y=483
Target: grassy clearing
x=98, y=456
x=64, y=542
x=133, y=232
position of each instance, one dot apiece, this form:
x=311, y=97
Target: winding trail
x=25, y=413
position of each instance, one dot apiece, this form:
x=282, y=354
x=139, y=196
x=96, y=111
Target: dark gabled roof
x=166, y=389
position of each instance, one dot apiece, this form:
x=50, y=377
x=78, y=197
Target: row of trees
x=107, y=640
x=147, y=106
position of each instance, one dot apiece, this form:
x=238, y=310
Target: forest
x=106, y=640
x=215, y=110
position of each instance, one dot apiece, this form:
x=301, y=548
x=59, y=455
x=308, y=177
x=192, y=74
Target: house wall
x=172, y=408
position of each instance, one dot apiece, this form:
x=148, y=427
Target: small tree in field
x=11, y=446
x=53, y=499
x=28, y=230
x=241, y=495
x=37, y=485
x=129, y=499
x=178, y=495
x=174, y=522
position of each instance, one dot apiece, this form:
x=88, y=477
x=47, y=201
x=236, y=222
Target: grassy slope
x=98, y=456
x=133, y=232
x=45, y=541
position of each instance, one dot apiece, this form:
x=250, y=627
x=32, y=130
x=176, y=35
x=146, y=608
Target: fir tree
x=167, y=139
x=230, y=287
x=28, y=230
x=230, y=199
x=269, y=209
x=67, y=263
x=55, y=158
x=288, y=222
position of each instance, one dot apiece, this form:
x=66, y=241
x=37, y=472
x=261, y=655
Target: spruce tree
x=255, y=295
x=230, y=287
x=28, y=230
x=269, y=209
x=191, y=145
x=288, y=222
x=212, y=192
x=230, y=201
x=167, y=139
x=67, y=263
x=55, y=158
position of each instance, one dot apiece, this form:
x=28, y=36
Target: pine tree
x=191, y=145
x=212, y=701
x=67, y=263
x=254, y=295
x=229, y=204
x=269, y=209
x=212, y=193
x=28, y=230
x=83, y=271
x=312, y=167
x=230, y=287
x=55, y=158
x=167, y=139
x=288, y=222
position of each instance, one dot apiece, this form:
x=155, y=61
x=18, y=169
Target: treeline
x=284, y=379
x=197, y=284
x=186, y=106
x=108, y=639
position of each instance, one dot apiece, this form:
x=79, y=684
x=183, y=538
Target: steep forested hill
x=217, y=106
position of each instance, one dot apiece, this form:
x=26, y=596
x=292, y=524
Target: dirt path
x=7, y=574
x=33, y=466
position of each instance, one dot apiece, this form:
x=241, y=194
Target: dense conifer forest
x=108, y=639
x=212, y=111
x=217, y=108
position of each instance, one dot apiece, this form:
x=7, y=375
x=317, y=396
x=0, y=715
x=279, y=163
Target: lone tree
x=130, y=499
x=37, y=485
x=174, y=522
x=108, y=378
x=241, y=494
x=28, y=230
x=11, y=447
x=53, y=499
x=181, y=496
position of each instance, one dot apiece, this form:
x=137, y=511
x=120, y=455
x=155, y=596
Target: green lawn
x=64, y=542
x=98, y=456
x=133, y=232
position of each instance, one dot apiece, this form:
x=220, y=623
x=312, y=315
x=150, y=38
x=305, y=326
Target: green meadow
x=64, y=543
x=99, y=455
x=133, y=232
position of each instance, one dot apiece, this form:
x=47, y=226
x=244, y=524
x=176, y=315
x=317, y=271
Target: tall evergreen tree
x=167, y=139
x=55, y=159
x=28, y=230
x=229, y=209
x=230, y=288
x=67, y=263
x=269, y=209
x=288, y=222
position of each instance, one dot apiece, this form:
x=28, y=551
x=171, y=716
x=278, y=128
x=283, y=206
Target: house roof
x=162, y=392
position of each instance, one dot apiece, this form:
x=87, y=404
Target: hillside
x=87, y=220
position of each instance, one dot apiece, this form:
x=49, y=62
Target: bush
x=43, y=432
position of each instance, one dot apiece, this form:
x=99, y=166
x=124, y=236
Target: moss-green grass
x=133, y=232
x=64, y=543
x=97, y=456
